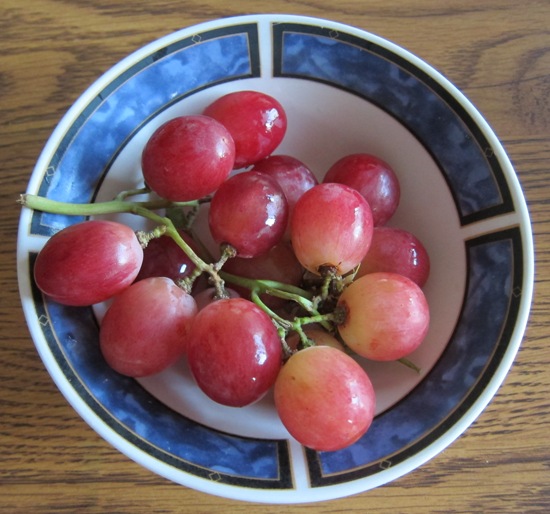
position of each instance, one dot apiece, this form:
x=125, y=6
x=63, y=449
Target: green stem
x=409, y=364
x=285, y=324
x=316, y=318
x=280, y=289
x=132, y=192
x=41, y=203
x=327, y=280
x=295, y=324
x=144, y=209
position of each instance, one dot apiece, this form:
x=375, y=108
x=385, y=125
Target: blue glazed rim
x=500, y=263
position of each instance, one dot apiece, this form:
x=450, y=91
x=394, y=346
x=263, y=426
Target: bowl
x=344, y=90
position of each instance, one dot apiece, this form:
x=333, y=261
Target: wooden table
x=496, y=51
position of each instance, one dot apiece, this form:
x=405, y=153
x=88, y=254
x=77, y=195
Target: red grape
x=331, y=226
x=324, y=398
x=373, y=178
x=188, y=158
x=293, y=175
x=256, y=121
x=235, y=352
x=162, y=257
x=146, y=328
x=398, y=251
x=249, y=211
x=209, y=295
x=88, y=262
x=387, y=316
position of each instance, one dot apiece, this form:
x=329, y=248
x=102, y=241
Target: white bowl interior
x=465, y=204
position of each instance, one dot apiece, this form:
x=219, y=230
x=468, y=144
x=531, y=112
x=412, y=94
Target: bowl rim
x=326, y=492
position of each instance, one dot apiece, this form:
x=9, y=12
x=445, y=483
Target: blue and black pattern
x=410, y=95
x=360, y=66
x=138, y=94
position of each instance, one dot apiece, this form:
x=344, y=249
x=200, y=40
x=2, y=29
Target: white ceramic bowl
x=344, y=91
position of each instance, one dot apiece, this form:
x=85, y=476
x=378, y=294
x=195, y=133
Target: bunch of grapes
x=309, y=277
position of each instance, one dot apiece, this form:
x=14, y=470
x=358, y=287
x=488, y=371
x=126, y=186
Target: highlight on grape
x=308, y=281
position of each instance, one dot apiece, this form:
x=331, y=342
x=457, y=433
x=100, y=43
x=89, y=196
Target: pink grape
x=235, y=352
x=387, y=316
x=331, y=226
x=373, y=178
x=249, y=211
x=324, y=398
x=146, y=328
x=256, y=121
x=188, y=157
x=398, y=251
x=88, y=263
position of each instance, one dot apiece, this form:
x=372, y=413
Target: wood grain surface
x=496, y=51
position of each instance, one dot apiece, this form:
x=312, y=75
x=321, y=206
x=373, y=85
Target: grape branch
x=165, y=226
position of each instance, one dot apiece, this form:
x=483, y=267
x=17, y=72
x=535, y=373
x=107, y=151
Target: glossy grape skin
x=292, y=175
x=398, y=251
x=387, y=316
x=324, y=398
x=373, y=178
x=162, y=257
x=331, y=225
x=88, y=262
x=187, y=158
x=146, y=328
x=256, y=121
x=278, y=264
x=235, y=352
x=249, y=211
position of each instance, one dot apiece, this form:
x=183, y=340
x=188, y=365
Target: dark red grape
x=249, y=211
x=163, y=257
x=398, y=251
x=292, y=175
x=373, y=178
x=235, y=352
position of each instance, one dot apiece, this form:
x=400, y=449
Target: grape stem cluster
x=306, y=300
